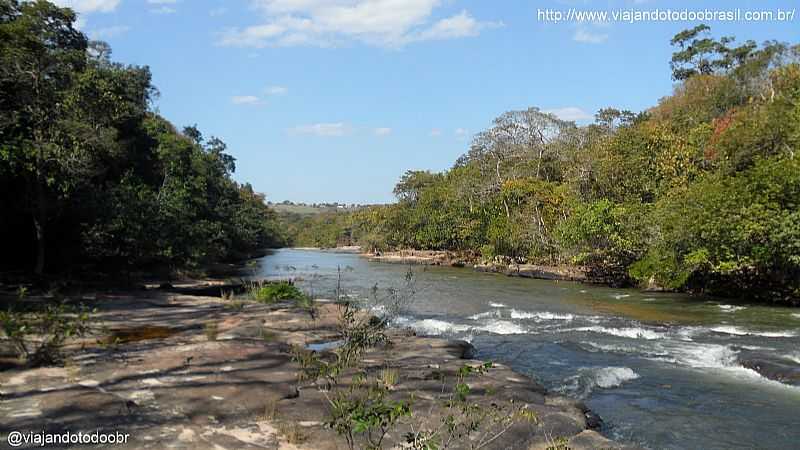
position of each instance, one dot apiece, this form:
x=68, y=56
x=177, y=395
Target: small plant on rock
x=389, y=377
x=274, y=292
x=211, y=330
x=363, y=411
x=39, y=336
x=467, y=420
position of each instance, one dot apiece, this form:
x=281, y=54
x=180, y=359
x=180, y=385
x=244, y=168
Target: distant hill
x=304, y=209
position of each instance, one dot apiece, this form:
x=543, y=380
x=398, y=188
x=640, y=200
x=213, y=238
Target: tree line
x=701, y=192
x=92, y=178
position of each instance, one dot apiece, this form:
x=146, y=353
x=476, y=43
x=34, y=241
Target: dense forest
x=700, y=192
x=91, y=177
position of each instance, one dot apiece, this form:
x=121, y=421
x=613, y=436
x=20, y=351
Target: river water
x=662, y=370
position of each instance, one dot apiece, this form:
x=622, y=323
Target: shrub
x=275, y=292
x=39, y=336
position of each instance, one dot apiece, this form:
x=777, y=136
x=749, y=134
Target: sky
x=333, y=100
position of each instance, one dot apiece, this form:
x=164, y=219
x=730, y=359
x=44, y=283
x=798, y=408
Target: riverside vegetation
x=94, y=183
x=699, y=193
x=92, y=179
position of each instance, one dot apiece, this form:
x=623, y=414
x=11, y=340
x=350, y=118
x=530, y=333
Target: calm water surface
x=662, y=370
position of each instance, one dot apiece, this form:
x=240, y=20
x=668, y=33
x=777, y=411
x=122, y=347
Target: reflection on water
x=663, y=370
x=651, y=311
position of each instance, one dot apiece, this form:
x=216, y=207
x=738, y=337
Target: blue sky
x=332, y=100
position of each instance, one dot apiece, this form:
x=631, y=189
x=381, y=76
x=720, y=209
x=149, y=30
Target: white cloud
x=162, y=2
x=572, y=113
x=324, y=23
x=322, y=129
x=163, y=10
x=109, y=32
x=461, y=132
x=458, y=26
x=382, y=131
x=276, y=90
x=89, y=6
x=436, y=132
x=589, y=37
x=245, y=100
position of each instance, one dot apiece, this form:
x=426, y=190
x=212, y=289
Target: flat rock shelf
x=170, y=385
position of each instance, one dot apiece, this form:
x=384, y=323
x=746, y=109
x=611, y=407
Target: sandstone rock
x=184, y=390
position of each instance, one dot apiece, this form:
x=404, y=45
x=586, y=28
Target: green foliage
x=365, y=410
x=697, y=193
x=605, y=236
x=728, y=234
x=39, y=335
x=274, y=292
x=92, y=176
x=467, y=422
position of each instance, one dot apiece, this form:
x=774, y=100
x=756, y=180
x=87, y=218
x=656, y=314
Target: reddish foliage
x=720, y=125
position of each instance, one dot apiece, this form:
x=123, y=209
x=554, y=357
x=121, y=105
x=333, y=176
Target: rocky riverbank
x=188, y=371
x=504, y=265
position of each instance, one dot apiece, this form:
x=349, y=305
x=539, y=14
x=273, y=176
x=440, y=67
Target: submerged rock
x=774, y=369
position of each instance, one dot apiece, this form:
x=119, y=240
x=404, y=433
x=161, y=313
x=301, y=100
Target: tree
x=700, y=54
x=82, y=153
x=40, y=54
x=412, y=183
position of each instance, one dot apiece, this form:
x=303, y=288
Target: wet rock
x=467, y=349
x=593, y=440
x=773, y=369
x=566, y=273
x=593, y=421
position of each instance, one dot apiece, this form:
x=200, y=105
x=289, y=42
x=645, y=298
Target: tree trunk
x=39, y=219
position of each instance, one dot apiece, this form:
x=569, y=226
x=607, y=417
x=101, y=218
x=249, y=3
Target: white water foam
x=496, y=305
x=705, y=356
x=731, y=308
x=486, y=315
x=610, y=348
x=587, y=379
x=609, y=377
x=738, y=331
x=718, y=357
x=633, y=332
x=796, y=315
x=545, y=315
x=433, y=327
x=621, y=296
x=794, y=357
x=756, y=348
x=436, y=327
x=501, y=327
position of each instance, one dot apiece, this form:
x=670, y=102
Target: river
x=663, y=370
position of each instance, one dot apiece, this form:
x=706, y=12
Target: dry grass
x=211, y=330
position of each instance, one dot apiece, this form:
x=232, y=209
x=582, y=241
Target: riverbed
x=664, y=371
